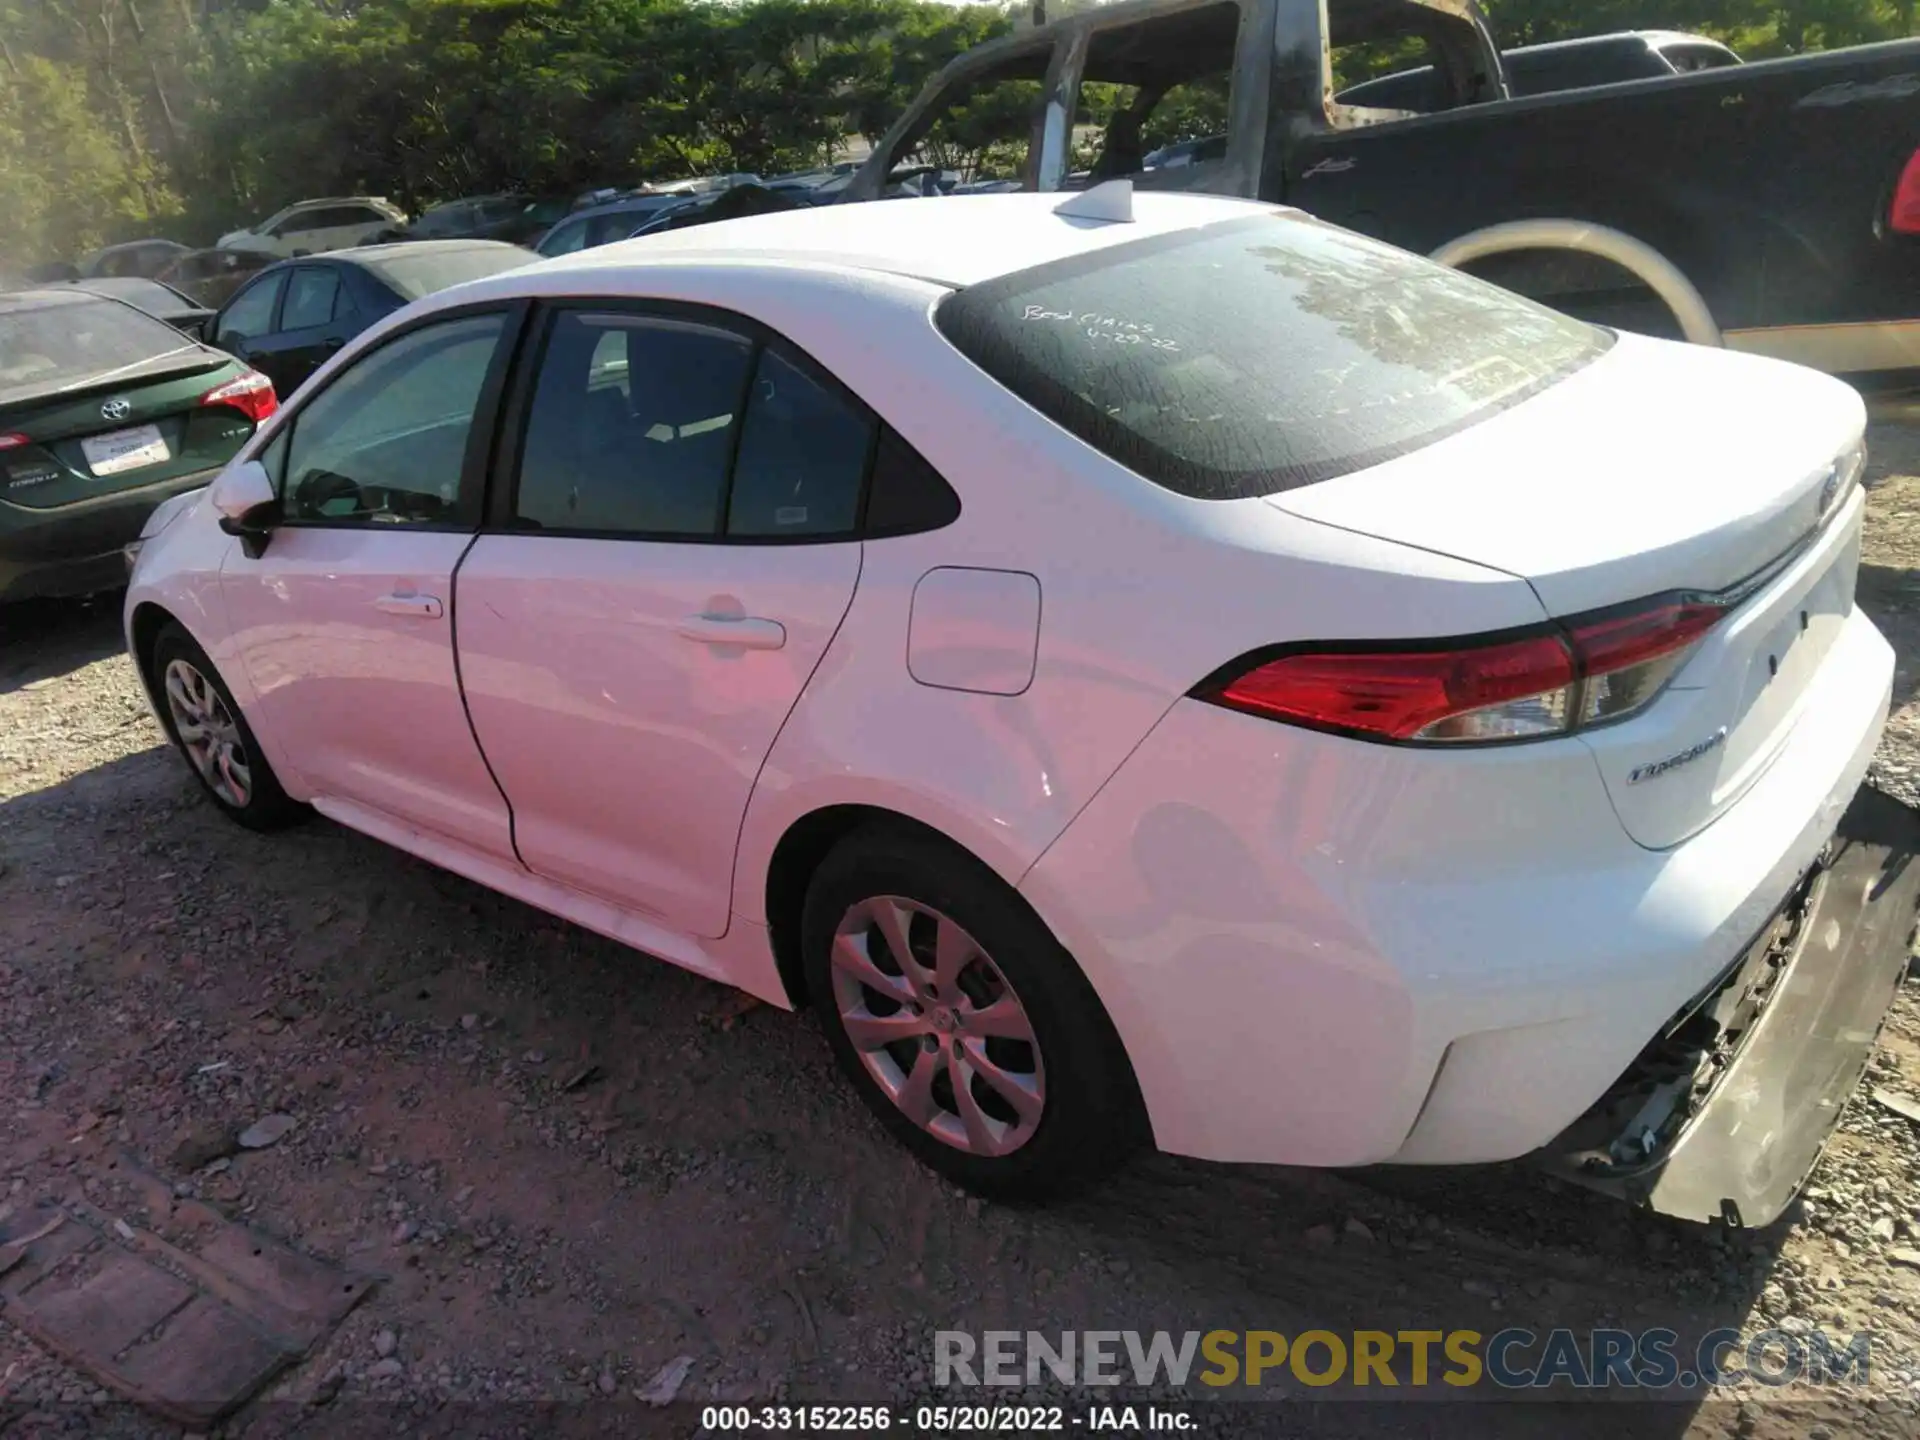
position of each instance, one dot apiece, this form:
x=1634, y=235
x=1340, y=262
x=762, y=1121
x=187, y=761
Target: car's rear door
x=676, y=545
x=345, y=620
x=307, y=334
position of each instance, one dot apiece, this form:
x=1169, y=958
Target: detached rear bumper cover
x=1823, y=976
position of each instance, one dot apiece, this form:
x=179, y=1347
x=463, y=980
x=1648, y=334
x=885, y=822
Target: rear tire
x=206, y=726
x=985, y=1051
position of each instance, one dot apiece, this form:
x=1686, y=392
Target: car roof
x=337, y=200
x=152, y=240
x=371, y=256
x=952, y=240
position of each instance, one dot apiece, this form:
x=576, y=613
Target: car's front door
x=345, y=621
x=247, y=320
x=673, y=556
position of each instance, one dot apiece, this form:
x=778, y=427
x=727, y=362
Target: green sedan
x=104, y=413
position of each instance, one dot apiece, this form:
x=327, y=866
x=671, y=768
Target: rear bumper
x=1733, y=1135
x=77, y=549
x=1320, y=952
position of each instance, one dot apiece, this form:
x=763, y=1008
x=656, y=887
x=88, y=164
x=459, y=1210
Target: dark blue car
x=292, y=316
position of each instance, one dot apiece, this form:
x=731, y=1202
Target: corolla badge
x=117, y=408
x=1687, y=756
x=1329, y=167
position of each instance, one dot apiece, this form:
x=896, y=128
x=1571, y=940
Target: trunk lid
x=1659, y=468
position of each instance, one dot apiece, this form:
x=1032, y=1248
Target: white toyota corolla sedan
x=1141, y=668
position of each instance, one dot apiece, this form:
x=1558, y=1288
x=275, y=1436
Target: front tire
x=961, y=1021
x=209, y=731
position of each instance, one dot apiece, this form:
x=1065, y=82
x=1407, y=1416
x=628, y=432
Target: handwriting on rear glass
x=1099, y=326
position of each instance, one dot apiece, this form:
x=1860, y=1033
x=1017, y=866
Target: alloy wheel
x=937, y=1025
x=208, y=733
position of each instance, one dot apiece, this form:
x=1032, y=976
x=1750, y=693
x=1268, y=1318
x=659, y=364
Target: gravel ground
x=706, y=1187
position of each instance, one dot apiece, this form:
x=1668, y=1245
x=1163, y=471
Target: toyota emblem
x=117, y=408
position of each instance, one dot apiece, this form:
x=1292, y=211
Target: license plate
x=125, y=450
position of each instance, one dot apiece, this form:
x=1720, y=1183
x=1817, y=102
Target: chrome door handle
x=426, y=607
x=745, y=631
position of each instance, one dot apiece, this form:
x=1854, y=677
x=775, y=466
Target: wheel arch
x=144, y=625
x=797, y=855
x=810, y=838
x=1639, y=259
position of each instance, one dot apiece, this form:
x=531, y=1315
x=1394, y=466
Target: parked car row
x=118, y=392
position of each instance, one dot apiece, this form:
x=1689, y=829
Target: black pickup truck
x=1771, y=207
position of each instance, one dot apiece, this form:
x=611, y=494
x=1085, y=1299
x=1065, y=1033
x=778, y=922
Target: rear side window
x=1261, y=355
x=803, y=457
x=1578, y=67
x=311, y=294
x=632, y=426
x=668, y=428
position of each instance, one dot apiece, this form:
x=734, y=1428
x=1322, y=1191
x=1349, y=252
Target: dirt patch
x=576, y=1165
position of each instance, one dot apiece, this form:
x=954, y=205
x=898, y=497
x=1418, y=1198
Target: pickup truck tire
x=1646, y=264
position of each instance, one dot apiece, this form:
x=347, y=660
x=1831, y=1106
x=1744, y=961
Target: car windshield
x=51, y=343
x=1258, y=355
x=422, y=273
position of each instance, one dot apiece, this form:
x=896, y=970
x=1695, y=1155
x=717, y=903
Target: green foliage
x=1756, y=28
x=121, y=118
x=127, y=117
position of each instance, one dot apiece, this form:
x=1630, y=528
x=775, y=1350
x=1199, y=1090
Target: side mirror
x=243, y=494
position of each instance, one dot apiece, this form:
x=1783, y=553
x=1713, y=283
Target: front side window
x=251, y=313
x=1259, y=355
x=632, y=426
x=386, y=442
x=605, y=229
x=566, y=239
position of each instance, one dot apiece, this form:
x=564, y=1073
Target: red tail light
x=1586, y=671
x=1903, y=216
x=252, y=395
x=13, y=442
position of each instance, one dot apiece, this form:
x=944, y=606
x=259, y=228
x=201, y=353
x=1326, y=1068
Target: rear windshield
x=54, y=343
x=415, y=275
x=1260, y=355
